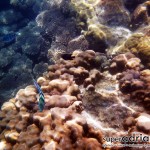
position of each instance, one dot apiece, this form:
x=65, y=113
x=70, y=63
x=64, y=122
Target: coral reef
x=133, y=78
x=51, y=129
x=82, y=105
x=95, y=56
x=59, y=30
x=114, y=13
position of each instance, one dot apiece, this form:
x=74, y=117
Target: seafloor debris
x=82, y=106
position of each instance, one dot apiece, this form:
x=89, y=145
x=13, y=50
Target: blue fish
x=41, y=102
x=8, y=38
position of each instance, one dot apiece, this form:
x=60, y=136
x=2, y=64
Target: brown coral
x=133, y=79
x=138, y=123
x=124, y=61
x=61, y=124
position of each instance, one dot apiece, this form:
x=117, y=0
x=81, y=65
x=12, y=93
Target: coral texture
x=61, y=121
x=82, y=105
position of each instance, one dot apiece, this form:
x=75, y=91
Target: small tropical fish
x=8, y=38
x=41, y=102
